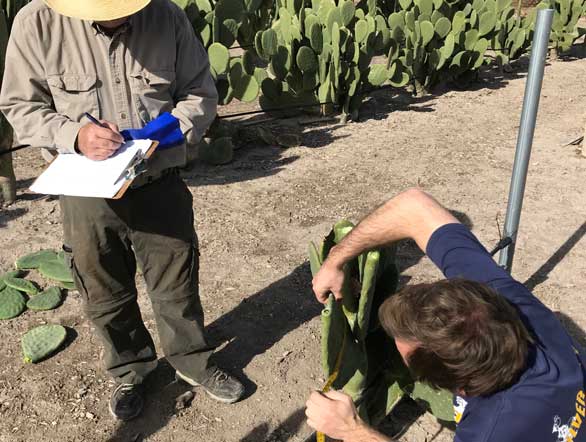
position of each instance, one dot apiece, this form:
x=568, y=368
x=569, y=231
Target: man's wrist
x=361, y=432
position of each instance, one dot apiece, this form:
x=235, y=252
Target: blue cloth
x=547, y=404
x=164, y=129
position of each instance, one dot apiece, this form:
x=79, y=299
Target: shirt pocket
x=152, y=93
x=74, y=95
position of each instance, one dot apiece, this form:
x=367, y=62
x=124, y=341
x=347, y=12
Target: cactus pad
x=219, y=57
x=12, y=303
x=269, y=42
x=220, y=151
x=13, y=274
x=378, y=74
x=56, y=270
x=34, y=260
x=46, y=300
x=42, y=341
x=307, y=60
x=68, y=285
x=22, y=285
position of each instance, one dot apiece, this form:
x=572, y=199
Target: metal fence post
x=526, y=131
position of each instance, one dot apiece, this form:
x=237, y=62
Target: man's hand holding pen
x=98, y=140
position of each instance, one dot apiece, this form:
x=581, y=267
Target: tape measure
x=320, y=437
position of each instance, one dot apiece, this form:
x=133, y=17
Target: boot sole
x=181, y=377
x=118, y=418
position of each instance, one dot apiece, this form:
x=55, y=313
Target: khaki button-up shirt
x=57, y=68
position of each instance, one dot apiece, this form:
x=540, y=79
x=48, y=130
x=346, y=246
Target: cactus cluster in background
x=330, y=53
x=564, y=27
x=442, y=41
x=321, y=52
x=371, y=369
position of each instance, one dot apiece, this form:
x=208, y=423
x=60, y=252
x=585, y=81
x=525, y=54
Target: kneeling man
x=515, y=373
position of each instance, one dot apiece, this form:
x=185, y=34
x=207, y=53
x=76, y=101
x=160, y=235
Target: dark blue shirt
x=548, y=402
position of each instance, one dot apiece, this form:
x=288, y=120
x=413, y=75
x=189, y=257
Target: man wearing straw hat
x=125, y=62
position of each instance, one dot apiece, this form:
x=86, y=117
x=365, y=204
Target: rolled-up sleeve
x=196, y=97
x=25, y=98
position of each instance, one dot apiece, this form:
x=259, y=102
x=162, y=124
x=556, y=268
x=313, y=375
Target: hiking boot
x=127, y=401
x=218, y=384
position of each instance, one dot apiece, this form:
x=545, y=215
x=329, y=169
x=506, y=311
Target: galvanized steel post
x=526, y=131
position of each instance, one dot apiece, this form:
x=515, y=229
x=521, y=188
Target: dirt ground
x=255, y=217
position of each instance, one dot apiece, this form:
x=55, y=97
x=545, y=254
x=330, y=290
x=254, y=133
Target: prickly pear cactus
x=219, y=151
x=351, y=328
x=12, y=303
x=564, y=27
x=34, y=260
x=40, y=342
x=46, y=300
x=56, y=270
x=321, y=54
x=22, y=285
x=371, y=370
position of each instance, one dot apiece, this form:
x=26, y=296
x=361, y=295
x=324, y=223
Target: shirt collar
x=126, y=27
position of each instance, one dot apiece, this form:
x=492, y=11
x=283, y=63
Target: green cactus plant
x=321, y=54
x=371, y=369
x=46, y=300
x=12, y=303
x=42, y=341
x=22, y=285
x=219, y=151
x=564, y=27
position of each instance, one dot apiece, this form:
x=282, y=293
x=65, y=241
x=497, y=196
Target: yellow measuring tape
x=328, y=385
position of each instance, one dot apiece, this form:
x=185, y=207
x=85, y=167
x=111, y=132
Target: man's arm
x=411, y=214
x=27, y=103
x=196, y=98
x=334, y=414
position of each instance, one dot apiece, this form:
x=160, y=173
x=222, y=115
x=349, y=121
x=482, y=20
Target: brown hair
x=468, y=336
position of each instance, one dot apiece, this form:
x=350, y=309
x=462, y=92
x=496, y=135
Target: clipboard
x=76, y=175
x=136, y=167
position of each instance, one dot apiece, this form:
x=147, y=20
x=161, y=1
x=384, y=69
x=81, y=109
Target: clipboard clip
x=136, y=167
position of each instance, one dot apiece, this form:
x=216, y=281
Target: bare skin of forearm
x=411, y=214
x=366, y=434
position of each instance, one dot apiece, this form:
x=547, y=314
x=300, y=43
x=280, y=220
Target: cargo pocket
x=152, y=93
x=79, y=284
x=74, y=94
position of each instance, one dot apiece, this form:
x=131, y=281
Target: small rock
x=90, y=415
x=184, y=401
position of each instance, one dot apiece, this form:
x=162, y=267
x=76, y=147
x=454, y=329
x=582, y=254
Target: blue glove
x=164, y=129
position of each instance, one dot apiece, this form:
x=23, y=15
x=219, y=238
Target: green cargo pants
x=151, y=225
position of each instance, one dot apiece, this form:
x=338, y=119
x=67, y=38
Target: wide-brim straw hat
x=97, y=10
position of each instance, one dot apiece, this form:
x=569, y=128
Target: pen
x=95, y=121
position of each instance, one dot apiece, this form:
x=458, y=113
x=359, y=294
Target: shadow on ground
x=8, y=214
x=542, y=273
x=250, y=329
